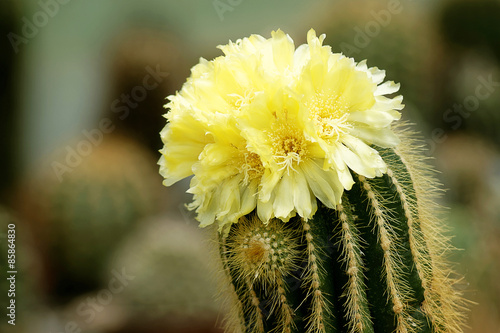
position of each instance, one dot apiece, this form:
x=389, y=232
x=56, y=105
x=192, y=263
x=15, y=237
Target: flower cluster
x=271, y=128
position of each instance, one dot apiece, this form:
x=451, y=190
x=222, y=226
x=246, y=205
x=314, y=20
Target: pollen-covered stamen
x=289, y=145
x=251, y=166
x=329, y=113
x=244, y=100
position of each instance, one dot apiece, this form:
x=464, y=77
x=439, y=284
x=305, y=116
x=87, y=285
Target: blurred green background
x=103, y=247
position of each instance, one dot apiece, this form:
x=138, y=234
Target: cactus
x=325, y=208
x=93, y=208
x=174, y=293
x=376, y=263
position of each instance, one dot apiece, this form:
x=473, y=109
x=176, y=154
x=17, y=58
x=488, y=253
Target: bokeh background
x=103, y=247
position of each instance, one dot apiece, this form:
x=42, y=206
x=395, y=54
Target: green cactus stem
x=376, y=263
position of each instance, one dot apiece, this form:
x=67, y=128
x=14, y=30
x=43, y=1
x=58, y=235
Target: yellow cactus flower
x=274, y=128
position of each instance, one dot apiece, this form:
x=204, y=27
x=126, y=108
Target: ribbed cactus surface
x=374, y=264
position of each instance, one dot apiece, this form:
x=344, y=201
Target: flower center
x=329, y=113
x=251, y=166
x=289, y=145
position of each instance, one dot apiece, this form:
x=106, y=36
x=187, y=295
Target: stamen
x=251, y=166
x=243, y=101
x=330, y=113
x=288, y=161
x=289, y=146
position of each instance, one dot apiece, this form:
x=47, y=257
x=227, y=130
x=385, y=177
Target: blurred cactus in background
x=398, y=38
x=144, y=65
x=469, y=157
x=469, y=24
x=170, y=290
x=470, y=34
x=471, y=166
x=8, y=81
x=88, y=213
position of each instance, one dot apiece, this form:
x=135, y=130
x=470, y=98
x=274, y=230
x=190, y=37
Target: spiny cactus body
x=326, y=223
x=374, y=264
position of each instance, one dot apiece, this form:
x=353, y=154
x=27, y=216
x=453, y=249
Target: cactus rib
x=375, y=263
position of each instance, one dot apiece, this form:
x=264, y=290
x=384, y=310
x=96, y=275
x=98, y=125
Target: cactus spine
x=374, y=264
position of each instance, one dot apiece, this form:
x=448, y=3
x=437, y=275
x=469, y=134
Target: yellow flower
x=271, y=128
